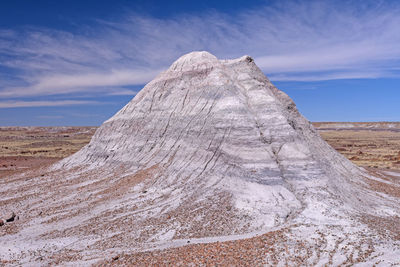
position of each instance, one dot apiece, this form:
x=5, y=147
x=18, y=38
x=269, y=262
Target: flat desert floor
x=366, y=144
x=23, y=148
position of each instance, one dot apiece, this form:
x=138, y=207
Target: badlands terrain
x=26, y=148
x=209, y=164
x=366, y=144
x=373, y=146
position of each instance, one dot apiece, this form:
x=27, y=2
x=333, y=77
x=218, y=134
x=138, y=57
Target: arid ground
x=375, y=145
x=23, y=148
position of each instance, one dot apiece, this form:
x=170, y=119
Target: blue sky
x=78, y=62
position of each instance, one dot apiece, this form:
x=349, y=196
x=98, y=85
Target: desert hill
x=209, y=151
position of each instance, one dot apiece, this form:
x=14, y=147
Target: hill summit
x=207, y=128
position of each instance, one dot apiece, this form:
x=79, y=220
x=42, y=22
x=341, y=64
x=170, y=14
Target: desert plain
x=366, y=144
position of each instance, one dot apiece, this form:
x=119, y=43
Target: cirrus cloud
x=24, y=104
x=290, y=41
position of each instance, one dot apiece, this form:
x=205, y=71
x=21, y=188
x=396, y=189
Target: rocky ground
x=18, y=156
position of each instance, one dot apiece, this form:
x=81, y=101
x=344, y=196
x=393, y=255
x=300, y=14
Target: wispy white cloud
x=312, y=77
x=73, y=83
x=123, y=91
x=19, y=104
x=50, y=117
x=290, y=41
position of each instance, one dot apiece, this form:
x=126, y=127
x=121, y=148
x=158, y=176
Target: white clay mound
x=209, y=150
